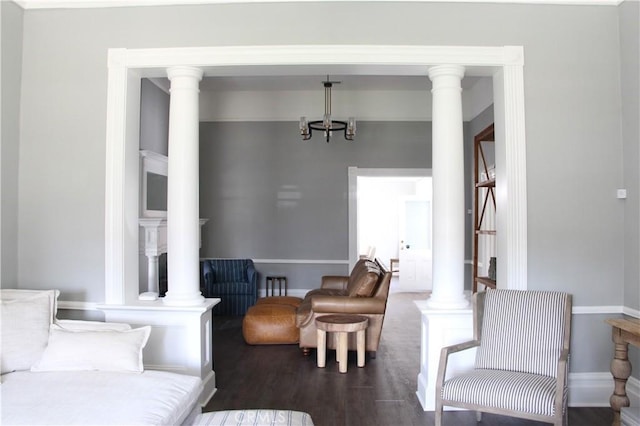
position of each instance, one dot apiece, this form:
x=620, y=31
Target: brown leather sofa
x=364, y=292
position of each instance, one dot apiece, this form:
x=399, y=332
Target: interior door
x=415, y=244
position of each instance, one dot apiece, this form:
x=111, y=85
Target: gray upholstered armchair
x=522, y=340
x=234, y=281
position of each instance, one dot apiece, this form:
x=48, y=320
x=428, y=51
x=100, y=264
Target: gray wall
x=154, y=118
x=630, y=84
x=11, y=50
x=270, y=195
x=629, y=18
x=576, y=239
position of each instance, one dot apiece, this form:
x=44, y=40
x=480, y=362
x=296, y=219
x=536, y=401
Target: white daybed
x=82, y=372
x=66, y=372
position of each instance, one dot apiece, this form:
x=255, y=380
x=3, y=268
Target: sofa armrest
x=252, y=276
x=334, y=282
x=347, y=305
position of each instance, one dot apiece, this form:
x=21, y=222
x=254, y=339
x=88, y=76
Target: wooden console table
x=625, y=331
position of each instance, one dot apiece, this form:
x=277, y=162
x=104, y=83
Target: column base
x=460, y=302
x=192, y=299
x=440, y=328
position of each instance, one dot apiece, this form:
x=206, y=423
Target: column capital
x=446, y=70
x=192, y=72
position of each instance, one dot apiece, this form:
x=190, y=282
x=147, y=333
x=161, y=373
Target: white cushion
x=25, y=317
x=103, y=350
x=151, y=398
x=8, y=294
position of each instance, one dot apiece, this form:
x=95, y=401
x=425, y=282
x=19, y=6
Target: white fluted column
x=448, y=188
x=183, y=203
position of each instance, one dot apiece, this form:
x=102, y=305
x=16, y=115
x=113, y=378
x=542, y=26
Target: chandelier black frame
x=327, y=125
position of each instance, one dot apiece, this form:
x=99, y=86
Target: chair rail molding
x=82, y=4
x=127, y=66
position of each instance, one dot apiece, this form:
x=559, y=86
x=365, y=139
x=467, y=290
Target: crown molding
x=80, y=4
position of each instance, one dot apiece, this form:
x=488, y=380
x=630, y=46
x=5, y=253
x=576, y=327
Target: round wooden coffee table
x=341, y=325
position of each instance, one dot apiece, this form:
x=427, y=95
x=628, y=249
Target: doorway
x=415, y=223
x=390, y=211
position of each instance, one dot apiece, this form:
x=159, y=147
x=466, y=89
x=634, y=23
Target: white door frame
x=127, y=66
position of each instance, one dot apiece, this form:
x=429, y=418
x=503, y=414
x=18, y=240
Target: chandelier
x=327, y=125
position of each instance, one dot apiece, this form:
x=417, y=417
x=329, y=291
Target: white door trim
x=127, y=66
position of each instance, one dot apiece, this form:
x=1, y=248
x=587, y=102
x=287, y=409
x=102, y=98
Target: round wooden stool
x=341, y=325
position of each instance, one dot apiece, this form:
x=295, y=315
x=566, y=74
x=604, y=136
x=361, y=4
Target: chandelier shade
x=327, y=124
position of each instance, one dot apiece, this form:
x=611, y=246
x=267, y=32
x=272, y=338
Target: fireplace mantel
x=153, y=243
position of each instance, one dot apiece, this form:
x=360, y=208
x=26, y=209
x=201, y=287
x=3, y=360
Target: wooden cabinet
x=484, y=233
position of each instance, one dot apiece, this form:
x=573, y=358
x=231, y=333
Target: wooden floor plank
x=381, y=393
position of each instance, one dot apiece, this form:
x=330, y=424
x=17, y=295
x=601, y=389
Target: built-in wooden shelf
x=484, y=200
x=490, y=183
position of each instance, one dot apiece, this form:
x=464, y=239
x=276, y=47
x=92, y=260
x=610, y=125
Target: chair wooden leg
x=438, y=414
x=478, y=416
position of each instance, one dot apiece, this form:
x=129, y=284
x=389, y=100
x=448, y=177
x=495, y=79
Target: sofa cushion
x=102, y=350
x=363, y=279
x=228, y=270
x=325, y=292
x=25, y=317
x=236, y=287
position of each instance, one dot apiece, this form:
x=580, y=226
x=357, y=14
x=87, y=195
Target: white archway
x=127, y=66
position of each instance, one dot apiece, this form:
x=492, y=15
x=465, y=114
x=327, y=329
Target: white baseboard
x=594, y=389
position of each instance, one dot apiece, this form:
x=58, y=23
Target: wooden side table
x=624, y=331
x=341, y=325
x=271, y=282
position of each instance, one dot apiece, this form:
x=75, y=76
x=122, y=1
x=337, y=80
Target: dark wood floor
x=382, y=393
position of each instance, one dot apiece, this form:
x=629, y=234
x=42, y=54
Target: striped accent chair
x=234, y=281
x=522, y=353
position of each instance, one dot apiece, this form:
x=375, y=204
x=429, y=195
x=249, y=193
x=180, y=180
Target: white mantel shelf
x=153, y=243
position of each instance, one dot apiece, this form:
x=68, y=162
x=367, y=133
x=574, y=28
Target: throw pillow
x=25, y=317
x=365, y=285
x=8, y=294
x=104, y=350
